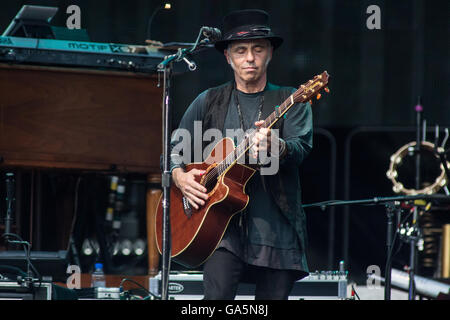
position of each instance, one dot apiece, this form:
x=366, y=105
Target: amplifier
x=12, y=290
x=324, y=285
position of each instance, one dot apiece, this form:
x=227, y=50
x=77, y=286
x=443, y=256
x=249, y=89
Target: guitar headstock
x=312, y=88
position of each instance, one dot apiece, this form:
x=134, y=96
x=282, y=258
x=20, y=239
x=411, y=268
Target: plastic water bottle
x=154, y=285
x=98, y=277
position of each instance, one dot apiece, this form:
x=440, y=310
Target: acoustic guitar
x=195, y=234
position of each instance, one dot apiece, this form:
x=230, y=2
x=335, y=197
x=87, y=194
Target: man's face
x=249, y=58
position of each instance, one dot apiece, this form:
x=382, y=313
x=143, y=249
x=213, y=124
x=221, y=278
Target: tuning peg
x=327, y=90
x=318, y=96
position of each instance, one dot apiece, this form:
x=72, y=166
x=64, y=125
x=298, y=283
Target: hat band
x=255, y=31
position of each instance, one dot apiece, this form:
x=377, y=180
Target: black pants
x=223, y=271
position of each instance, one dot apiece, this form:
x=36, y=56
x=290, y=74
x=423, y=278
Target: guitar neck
x=278, y=113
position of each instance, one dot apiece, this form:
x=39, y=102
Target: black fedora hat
x=245, y=25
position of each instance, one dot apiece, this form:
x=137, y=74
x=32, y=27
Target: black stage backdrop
x=376, y=78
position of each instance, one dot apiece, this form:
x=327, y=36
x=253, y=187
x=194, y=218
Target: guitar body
x=195, y=236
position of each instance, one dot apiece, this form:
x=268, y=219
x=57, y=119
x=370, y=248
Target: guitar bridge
x=187, y=208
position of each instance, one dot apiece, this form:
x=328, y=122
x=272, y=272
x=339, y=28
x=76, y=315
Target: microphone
x=213, y=34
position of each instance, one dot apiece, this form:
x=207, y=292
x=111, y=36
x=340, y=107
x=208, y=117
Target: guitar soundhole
x=209, y=179
x=210, y=182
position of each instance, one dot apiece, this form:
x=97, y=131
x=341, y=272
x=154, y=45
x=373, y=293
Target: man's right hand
x=194, y=192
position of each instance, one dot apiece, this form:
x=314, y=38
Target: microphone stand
x=390, y=204
x=413, y=239
x=166, y=179
x=9, y=203
x=166, y=67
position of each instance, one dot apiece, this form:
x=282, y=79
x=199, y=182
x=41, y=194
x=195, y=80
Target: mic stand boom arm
x=390, y=204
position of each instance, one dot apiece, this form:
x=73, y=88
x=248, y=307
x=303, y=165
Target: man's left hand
x=261, y=140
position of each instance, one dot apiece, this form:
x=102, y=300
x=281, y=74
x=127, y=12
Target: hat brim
x=223, y=44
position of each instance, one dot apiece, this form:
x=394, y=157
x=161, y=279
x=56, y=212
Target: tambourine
x=397, y=158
